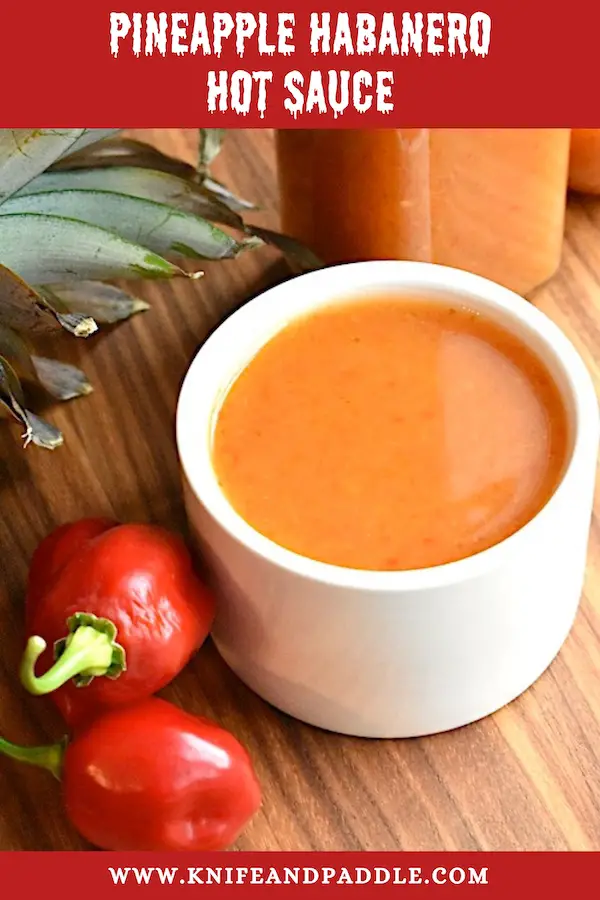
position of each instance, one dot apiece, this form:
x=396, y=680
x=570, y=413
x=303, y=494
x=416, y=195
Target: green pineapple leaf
x=81, y=207
x=149, y=184
x=68, y=249
x=161, y=228
x=25, y=152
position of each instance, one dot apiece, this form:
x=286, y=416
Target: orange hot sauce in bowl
x=391, y=434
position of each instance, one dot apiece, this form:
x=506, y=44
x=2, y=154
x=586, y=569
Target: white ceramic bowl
x=389, y=654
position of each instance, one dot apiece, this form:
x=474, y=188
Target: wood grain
x=527, y=778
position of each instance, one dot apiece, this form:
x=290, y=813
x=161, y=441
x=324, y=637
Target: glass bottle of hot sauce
x=491, y=201
x=584, y=168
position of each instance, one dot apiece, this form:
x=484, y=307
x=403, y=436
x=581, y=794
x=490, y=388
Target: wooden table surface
x=528, y=778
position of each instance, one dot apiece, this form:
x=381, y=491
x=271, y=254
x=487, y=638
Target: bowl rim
x=340, y=283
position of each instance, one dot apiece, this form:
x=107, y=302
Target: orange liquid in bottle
x=490, y=201
x=584, y=166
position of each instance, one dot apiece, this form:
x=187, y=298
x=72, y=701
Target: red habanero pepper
x=151, y=777
x=121, y=617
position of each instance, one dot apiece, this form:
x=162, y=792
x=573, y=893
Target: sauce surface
x=391, y=434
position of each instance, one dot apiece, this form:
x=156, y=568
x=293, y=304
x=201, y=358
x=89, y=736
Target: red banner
x=292, y=64
x=478, y=875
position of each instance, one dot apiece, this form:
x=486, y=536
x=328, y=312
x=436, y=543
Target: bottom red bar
x=506, y=876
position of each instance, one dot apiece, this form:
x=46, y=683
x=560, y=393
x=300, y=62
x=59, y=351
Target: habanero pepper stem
x=120, y=611
x=49, y=757
x=89, y=651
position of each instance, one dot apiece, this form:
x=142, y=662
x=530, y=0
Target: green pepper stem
x=49, y=757
x=89, y=650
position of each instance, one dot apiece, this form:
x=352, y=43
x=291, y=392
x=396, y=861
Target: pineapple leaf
x=161, y=228
x=211, y=141
x=104, y=302
x=300, y=258
x=22, y=307
x=61, y=380
x=25, y=152
x=89, y=137
x=16, y=351
x=217, y=190
x=12, y=400
x=149, y=184
x=125, y=152
x=77, y=323
x=11, y=389
x=43, y=249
